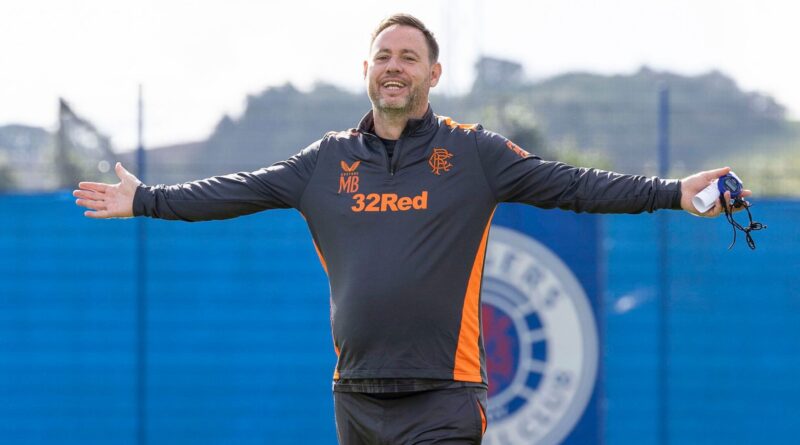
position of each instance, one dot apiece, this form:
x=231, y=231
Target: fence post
x=663, y=273
x=141, y=295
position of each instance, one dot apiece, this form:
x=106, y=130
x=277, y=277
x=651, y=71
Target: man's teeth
x=393, y=85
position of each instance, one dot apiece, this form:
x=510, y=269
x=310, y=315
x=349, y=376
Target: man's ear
x=366, y=64
x=436, y=73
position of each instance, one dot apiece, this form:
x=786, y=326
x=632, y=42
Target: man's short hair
x=409, y=20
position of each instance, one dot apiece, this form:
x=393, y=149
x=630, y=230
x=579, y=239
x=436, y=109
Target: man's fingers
x=713, y=212
x=122, y=174
x=97, y=214
x=718, y=208
x=108, y=200
x=88, y=194
x=129, y=180
x=91, y=204
x=746, y=193
x=711, y=175
x=96, y=186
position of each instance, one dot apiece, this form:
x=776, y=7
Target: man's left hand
x=694, y=184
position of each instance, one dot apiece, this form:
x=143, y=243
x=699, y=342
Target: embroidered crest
x=439, y=161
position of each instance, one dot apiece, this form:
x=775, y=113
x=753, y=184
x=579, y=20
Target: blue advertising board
x=541, y=330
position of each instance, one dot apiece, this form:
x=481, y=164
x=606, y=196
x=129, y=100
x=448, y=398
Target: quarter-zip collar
x=414, y=127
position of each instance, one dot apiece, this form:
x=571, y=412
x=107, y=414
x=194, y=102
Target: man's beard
x=411, y=103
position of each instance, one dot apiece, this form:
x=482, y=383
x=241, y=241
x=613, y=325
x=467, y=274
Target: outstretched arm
x=220, y=197
x=108, y=200
x=517, y=176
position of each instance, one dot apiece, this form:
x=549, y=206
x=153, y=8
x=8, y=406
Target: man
x=399, y=210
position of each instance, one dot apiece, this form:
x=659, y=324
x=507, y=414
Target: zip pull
x=395, y=156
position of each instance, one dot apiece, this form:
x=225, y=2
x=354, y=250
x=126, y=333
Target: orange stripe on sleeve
x=468, y=356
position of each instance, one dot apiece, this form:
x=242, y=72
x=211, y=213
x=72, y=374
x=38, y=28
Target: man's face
x=399, y=73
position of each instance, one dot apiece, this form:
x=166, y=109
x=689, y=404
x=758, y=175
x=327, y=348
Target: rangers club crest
x=439, y=161
x=541, y=342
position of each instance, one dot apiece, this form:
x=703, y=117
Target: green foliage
x=710, y=117
x=510, y=115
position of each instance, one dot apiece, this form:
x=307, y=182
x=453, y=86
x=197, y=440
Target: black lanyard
x=739, y=202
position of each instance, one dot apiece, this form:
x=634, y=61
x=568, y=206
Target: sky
x=198, y=60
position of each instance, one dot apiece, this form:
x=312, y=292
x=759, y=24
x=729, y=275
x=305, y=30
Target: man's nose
x=394, y=65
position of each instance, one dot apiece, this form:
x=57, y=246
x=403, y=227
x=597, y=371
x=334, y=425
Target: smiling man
x=402, y=69
x=399, y=210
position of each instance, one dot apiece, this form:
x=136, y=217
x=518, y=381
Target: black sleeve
x=221, y=197
x=517, y=176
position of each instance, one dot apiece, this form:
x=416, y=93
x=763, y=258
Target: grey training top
x=403, y=241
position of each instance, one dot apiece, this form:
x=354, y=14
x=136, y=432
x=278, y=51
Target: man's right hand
x=108, y=200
